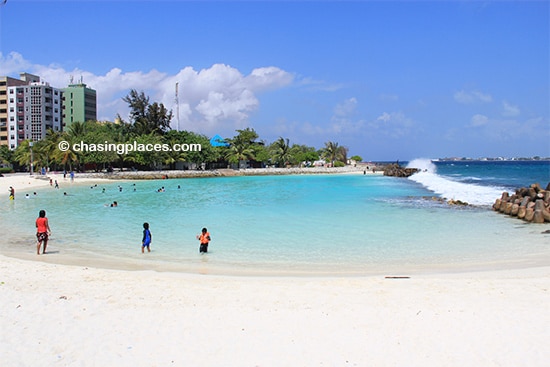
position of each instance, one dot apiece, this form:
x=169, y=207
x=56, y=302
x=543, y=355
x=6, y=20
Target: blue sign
x=218, y=141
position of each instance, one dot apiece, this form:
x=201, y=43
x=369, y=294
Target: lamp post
x=32, y=160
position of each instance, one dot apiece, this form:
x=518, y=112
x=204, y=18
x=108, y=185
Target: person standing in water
x=205, y=239
x=147, y=238
x=43, y=231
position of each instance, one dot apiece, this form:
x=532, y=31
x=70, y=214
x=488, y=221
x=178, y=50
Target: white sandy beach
x=77, y=316
x=26, y=184
x=66, y=315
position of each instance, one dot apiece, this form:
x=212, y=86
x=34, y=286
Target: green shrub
x=339, y=164
x=6, y=170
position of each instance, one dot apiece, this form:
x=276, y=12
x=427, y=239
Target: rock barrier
x=396, y=170
x=532, y=204
x=157, y=175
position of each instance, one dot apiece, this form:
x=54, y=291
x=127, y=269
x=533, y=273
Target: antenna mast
x=177, y=106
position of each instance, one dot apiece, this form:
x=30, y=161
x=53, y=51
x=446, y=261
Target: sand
x=78, y=316
x=23, y=183
x=66, y=315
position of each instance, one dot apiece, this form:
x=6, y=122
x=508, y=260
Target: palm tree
x=22, y=154
x=69, y=157
x=239, y=152
x=241, y=147
x=334, y=152
x=46, y=150
x=77, y=129
x=331, y=151
x=282, y=151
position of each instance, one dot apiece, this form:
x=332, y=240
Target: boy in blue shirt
x=147, y=238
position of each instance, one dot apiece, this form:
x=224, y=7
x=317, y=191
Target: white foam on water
x=450, y=189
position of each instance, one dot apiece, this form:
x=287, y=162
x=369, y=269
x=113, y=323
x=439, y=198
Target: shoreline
x=146, y=318
x=203, y=267
x=25, y=183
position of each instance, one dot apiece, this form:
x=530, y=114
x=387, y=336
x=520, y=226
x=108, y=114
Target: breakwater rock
x=396, y=170
x=531, y=204
x=158, y=175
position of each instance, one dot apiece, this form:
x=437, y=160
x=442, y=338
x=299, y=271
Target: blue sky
x=389, y=80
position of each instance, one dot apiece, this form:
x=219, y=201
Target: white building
x=32, y=110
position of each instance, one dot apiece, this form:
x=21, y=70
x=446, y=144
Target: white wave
x=423, y=164
x=449, y=189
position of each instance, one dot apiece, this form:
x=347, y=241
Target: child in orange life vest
x=204, y=238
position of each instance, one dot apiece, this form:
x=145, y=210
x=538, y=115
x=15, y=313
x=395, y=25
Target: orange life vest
x=204, y=238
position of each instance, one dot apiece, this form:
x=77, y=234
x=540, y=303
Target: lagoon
x=348, y=224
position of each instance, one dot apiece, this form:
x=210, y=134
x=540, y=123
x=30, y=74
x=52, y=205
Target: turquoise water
x=312, y=224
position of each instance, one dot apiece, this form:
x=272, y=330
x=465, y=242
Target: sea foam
x=449, y=188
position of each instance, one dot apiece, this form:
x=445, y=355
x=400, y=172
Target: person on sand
x=43, y=231
x=205, y=239
x=147, y=238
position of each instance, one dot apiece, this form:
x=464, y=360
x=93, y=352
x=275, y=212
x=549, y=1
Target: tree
x=261, y=153
x=147, y=118
x=333, y=152
x=144, y=157
x=303, y=153
x=281, y=151
x=6, y=155
x=241, y=147
x=46, y=151
x=22, y=153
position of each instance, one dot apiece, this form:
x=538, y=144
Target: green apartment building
x=80, y=104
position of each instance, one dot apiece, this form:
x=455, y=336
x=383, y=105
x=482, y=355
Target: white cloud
x=346, y=108
x=510, y=110
x=393, y=124
x=210, y=100
x=343, y=121
x=472, y=97
x=385, y=117
x=479, y=120
x=13, y=63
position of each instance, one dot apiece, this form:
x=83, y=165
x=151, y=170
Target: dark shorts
x=204, y=247
x=42, y=236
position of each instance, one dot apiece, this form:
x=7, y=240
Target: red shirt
x=42, y=225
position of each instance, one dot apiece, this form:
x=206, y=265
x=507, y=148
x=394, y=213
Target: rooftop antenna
x=177, y=106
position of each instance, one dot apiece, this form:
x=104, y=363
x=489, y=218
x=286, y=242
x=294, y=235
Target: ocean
x=345, y=224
